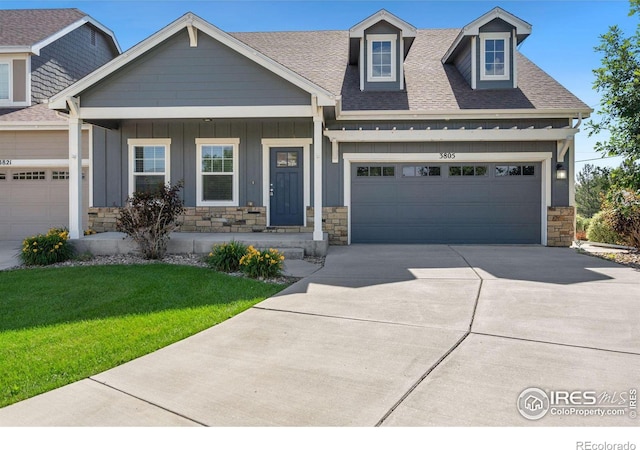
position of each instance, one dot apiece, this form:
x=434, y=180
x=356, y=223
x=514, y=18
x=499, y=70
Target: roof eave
x=35, y=48
x=465, y=114
x=357, y=31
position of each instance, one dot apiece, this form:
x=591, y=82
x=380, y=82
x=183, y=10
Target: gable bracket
x=565, y=147
x=193, y=35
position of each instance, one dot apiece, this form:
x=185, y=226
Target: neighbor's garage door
x=479, y=203
x=33, y=200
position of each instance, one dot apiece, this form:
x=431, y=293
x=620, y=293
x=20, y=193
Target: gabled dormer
x=485, y=50
x=378, y=46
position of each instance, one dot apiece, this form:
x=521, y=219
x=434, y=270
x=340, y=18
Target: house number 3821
x=447, y=156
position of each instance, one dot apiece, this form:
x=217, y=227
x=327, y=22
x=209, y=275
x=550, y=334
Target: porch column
x=317, y=178
x=75, y=177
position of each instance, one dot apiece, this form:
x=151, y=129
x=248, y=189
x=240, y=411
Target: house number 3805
x=447, y=156
x=5, y=162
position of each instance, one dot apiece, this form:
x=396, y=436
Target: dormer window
x=382, y=58
x=494, y=57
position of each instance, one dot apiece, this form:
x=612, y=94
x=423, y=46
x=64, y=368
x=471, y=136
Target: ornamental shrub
x=623, y=215
x=601, y=231
x=45, y=249
x=226, y=257
x=582, y=225
x=262, y=264
x=149, y=217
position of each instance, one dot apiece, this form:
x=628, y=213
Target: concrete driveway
x=386, y=335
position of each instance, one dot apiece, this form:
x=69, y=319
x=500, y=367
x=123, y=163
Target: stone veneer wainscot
x=561, y=226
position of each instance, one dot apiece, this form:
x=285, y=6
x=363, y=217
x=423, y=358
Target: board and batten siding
x=110, y=153
x=175, y=74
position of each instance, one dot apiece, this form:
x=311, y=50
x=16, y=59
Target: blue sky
x=562, y=42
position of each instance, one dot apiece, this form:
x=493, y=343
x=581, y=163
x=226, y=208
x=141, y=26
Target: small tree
x=592, y=184
x=149, y=217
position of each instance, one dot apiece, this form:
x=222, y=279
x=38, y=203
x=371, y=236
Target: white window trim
x=235, y=142
x=506, y=37
x=9, y=102
x=371, y=38
x=167, y=159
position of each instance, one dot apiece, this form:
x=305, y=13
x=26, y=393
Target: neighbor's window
x=495, y=56
x=381, y=58
x=4, y=81
x=217, y=183
x=148, y=164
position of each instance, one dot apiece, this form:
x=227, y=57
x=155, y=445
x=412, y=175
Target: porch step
x=292, y=253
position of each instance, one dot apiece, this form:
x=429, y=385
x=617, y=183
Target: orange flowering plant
x=45, y=249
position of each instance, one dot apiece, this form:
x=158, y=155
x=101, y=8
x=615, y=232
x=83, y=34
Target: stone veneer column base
x=234, y=219
x=561, y=226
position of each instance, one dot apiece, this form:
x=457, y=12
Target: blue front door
x=286, y=186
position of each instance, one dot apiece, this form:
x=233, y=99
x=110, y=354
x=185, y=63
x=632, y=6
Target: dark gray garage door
x=475, y=203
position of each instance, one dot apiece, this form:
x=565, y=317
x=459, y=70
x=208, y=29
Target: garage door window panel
x=39, y=175
x=468, y=171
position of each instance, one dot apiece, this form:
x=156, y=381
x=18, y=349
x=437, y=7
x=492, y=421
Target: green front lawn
x=60, y=325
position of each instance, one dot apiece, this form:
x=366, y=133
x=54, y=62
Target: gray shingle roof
x=25, y=27
x=322, y=58
x=35, y=113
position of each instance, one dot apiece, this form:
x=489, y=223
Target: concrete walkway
x=385, y=335
x=9, y=254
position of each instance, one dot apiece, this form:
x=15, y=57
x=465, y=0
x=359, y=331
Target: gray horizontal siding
x=110, y=153
x=463, y=62
x=175, y=74
x=334, y=186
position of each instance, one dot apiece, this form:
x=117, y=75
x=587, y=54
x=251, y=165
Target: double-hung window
x=381, y=57
x=217, y=172
x=5, y=82
x=148, y=164
x=495, y=54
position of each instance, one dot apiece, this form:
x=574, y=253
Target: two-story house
x=42, y=52
x=380, y=133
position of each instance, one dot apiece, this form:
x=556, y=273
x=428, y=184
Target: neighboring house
x=41, y=53
x=381, y=133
